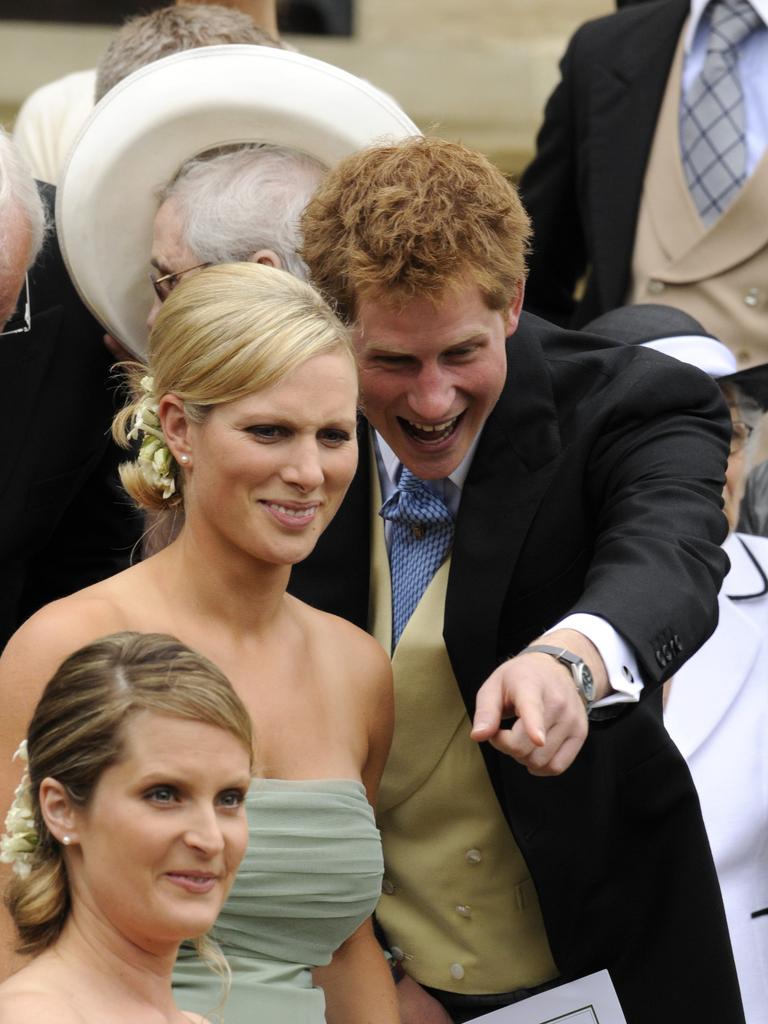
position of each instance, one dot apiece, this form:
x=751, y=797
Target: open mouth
x=430, y=433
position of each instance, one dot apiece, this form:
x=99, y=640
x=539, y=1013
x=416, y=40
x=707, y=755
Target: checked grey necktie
x=422, y=534
x=712, y=123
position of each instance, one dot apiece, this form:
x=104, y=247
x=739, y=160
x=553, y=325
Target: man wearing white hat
x=238, y=204
x=171, y=160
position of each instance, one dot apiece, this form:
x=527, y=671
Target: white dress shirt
x=753, y=71
x=617, y=655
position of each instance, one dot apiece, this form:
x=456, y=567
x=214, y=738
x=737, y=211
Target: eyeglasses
x=21, y=319
x=740, y=435
x=164, y=285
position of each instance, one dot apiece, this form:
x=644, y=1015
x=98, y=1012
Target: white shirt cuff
x=617, y=655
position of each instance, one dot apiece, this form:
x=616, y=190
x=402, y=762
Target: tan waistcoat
x=458, y=900
x=718, y=274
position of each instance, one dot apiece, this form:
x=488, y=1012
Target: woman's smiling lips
x=292, y=514
x=197, y=882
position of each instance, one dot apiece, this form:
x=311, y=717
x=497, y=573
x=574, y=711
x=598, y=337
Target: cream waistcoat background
x=719, y=274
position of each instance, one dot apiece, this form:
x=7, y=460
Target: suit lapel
x=736, y=236
x=512, y=466
x=625, y=96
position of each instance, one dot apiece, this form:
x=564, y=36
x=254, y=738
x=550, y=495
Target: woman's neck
x=219, y=582
x=98, y=964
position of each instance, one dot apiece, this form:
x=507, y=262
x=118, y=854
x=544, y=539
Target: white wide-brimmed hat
x=145, y=128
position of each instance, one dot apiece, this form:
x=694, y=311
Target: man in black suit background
x=64, y=522
x=614, y=193
x=580, y=483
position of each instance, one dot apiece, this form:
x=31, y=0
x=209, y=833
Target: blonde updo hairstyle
x=222, y=334
x=77, y=731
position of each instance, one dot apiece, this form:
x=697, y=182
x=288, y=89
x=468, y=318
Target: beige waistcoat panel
x=458, y=900
x=718, y=274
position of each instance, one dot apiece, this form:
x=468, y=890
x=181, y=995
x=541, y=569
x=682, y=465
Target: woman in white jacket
x=716, y=705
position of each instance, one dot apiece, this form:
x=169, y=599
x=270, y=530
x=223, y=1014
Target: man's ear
x=512, y=315
x=175, y=424
x=267, y=257
x=58, y=811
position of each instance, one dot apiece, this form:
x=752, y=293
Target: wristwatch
x=582, y=677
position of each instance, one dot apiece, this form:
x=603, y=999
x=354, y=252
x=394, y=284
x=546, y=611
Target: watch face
x=587, y=682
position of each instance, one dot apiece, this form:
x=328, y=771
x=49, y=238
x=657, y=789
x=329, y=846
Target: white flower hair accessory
x=155, y=460
x=18, y=845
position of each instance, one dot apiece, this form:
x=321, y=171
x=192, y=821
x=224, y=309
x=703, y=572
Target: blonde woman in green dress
x=246, y=421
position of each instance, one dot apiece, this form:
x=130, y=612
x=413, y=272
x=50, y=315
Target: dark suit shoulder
x=589, y=374
x=624, y=45
x=623, y=26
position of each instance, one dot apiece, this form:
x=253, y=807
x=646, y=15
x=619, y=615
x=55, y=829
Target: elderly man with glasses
x=63, y=523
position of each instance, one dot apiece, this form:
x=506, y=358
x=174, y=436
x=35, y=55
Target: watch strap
x=570, y=660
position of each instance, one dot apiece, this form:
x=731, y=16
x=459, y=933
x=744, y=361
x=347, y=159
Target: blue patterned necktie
x=712, y=123
x=422, y=534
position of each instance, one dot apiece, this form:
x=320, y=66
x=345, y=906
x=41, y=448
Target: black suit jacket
x=584, y=496
x=584, y=184
x=64, y=521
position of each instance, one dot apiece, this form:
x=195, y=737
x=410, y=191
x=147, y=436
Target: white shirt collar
x=392, y=464
x=697, y=10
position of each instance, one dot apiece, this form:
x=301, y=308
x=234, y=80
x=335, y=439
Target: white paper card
x=590, y=1000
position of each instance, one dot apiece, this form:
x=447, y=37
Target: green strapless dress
x=311, y=874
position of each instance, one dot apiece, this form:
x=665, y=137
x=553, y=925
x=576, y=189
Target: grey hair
x=18, y=191
x=235, y=201
x=148, y=37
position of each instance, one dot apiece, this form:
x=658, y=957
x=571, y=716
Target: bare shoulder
x=31, y=657
x=39, y=646
x=28, y=1006
x=350, y=647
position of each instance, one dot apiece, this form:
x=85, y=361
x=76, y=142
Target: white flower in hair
x=155, y=460
x=18, y=844
x=156, y=463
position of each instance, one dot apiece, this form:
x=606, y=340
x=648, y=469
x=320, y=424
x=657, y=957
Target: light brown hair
x=76, y=733
x=415, y=219
x=146, y=38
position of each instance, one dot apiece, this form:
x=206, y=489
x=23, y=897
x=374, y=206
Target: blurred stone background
x=479, y=72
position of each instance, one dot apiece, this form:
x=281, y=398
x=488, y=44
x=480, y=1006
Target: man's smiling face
x=431, y=374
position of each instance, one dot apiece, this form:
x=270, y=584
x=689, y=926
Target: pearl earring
x=66, y=840
x=184, y=459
